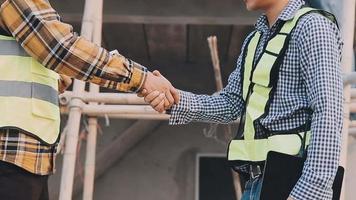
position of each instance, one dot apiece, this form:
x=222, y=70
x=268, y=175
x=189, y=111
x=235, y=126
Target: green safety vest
x=28, y=93
x=258, y=84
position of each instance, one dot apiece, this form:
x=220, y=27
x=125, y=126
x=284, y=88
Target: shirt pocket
x=44, y=92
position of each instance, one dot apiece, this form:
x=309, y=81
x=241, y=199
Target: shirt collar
x=287, y=14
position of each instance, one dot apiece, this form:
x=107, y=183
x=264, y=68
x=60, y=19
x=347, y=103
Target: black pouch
x=282, y=171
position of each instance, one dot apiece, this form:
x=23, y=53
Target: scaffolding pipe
x=94, y=110
x=107, y=98
x=75, y=113
x=347, y=32
x=89, y=168
x=156, y=117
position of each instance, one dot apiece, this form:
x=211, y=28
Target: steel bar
x=108, y=98
x=71, y=142
x=89, y=167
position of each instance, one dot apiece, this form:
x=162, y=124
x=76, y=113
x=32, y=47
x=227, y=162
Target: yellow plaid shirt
x=37, y=27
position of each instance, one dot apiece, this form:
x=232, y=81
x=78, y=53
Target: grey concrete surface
x=160, y=167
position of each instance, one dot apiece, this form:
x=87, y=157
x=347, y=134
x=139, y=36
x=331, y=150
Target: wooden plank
x=166, y=42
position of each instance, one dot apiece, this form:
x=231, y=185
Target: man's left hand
x=63, y=83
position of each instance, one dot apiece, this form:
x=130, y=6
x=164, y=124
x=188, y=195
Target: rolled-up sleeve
x=38, y=28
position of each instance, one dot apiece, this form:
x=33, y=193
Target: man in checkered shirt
x=309, y=77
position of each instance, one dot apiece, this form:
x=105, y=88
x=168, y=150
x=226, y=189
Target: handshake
x=156, y=90
x=159, y=92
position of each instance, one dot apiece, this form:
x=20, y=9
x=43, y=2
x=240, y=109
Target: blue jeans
x=252, y=189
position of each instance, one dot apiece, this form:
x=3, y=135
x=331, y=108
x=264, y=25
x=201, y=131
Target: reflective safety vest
x=259, y=82
x=28, y=93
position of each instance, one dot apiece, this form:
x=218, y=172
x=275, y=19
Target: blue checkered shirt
x=309, y=77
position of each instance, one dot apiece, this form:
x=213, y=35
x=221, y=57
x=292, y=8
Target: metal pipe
x=163, y=117
x=75, y=113
x=89, y=168
x=108, y=98
x=117, y=109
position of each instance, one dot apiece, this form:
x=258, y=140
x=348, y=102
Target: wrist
x=138, y=79
x=146, y=80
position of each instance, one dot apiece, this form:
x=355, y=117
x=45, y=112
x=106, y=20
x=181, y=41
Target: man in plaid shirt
x=309, y=78
x=25, y=161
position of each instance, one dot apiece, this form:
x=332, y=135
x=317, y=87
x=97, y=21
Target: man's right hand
x=156, y=83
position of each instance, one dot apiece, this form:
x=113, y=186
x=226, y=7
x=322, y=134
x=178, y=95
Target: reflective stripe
x=249, y=62
x=257, y=150
x=28, y=90
x=289, y=25
x=255, y=109
x=12, y=48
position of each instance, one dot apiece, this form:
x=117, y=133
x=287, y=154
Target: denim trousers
x=252, y=189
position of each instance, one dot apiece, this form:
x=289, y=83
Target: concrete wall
x=160, y=167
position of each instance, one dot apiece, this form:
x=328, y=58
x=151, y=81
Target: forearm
x=218, y=108
x=222, y=107
x=57, y=47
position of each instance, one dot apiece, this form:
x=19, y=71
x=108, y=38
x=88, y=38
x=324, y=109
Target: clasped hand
x=159, y=92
